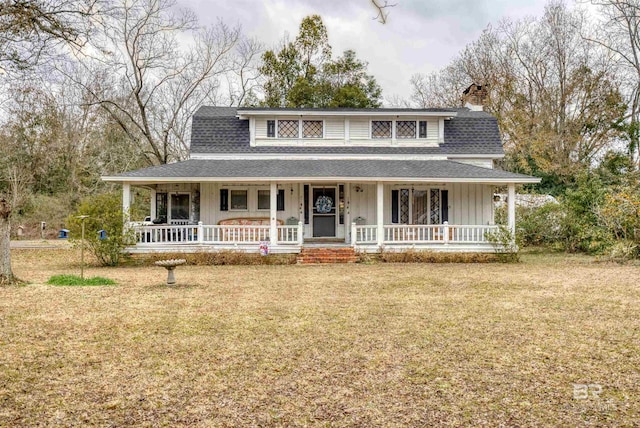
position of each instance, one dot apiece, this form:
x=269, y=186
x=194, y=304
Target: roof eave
x=148, y=180
x=246, y=114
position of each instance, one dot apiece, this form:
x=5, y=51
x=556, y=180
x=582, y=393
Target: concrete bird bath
x=170, y=265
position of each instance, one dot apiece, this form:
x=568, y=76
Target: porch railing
x=423, y=234
x=219, y=234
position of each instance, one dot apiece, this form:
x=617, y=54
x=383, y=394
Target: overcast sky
x=420, y=36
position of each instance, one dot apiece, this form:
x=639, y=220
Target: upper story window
x=422, y=129
x=406, y=129
x=312, y=129
x=287, y=128
x=380, y=129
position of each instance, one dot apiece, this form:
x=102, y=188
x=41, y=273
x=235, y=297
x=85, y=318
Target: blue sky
x=420, y=36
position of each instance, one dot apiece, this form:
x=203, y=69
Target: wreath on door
x=324, y=204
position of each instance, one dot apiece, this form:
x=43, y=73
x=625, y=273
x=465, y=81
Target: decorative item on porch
x=324, y=204
x=170, y=265
x=264, y=248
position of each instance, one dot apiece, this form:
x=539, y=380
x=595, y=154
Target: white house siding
x=334, y=131
x=359, y=128
x=334, y=128
x=363, y=203
x=484, y=163
x=210, y=202
x=470, y=203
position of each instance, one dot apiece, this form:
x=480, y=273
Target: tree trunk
x=6, y=275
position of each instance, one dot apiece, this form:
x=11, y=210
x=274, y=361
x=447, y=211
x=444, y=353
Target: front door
x=324, y=212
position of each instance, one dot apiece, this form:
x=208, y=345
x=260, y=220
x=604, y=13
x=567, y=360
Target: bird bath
x=170, y=265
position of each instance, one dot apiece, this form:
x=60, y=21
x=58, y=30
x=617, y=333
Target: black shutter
x=306, y=204
x=423, y=129
x=280, y=204
x=444, y=200
x=394, y=206
x=271, y=128
x=224, y=200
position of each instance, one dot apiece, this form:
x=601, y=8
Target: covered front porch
x=370, y=216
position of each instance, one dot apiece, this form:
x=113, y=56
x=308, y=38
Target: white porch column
x=273, y=209
x=126, y=201
x=347, y=212
x=511, y=208
x=380, y=212
x=153, y=212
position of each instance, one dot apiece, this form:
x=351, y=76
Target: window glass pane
x=288, y=128
x=161, y=207
x=435, y=206
x=420, y=207
x=381, y=129
x=312, y=128
x=423, y=129
x=238, y=199
x=180, y=207
x=263, y=199
x=405, y=129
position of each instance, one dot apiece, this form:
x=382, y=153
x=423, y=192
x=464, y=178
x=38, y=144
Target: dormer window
x=287, y=129
x=422, y=129
x=312, y=129
x=380, y=129
x=406, y=129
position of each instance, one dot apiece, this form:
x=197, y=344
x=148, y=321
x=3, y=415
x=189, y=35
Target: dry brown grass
x=333, y=345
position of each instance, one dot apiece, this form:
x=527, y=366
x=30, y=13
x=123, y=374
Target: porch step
x=326, y=255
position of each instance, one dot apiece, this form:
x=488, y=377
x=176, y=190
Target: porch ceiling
x=310, y=170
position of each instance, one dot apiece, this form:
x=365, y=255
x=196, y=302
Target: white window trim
x=242, y=189
x=278, y=129
x=312, y=120
x=268, y=190
x=380, y=120
x=426, y=129
x=415, y=133
x=170, y=205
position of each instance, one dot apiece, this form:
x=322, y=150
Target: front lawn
x=333, y=345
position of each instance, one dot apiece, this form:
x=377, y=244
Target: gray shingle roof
x=310, y=168
x=218, y=130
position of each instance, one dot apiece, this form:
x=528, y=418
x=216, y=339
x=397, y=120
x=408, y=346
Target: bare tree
x=381, y=7
x=30, y=29
x=150, y=67
x=6, y=274
x=556, y=97
x=618, y=30
x=243, y=79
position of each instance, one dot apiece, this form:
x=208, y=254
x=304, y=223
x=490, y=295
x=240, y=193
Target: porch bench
x=230, y=235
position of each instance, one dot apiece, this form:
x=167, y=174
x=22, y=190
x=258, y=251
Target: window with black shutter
x=271, y=128
x=280, y=204
x=306, y=204
x=395, y=196
x=444, y=200
x=422, y=129
x=224, y=200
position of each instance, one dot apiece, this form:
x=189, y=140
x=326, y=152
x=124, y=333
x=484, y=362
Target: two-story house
x=368, y=178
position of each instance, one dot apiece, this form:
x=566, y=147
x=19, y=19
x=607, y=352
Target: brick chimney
x=475, y=97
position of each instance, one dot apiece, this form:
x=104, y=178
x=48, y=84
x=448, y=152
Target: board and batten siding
x=210, y=202
x=470, y=203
